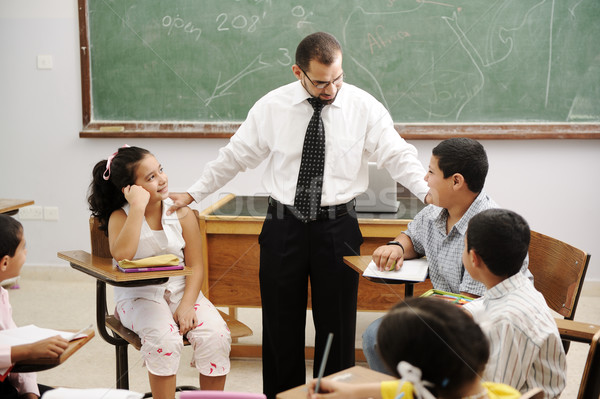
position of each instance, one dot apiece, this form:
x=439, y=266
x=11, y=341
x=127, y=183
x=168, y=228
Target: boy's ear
x=458, y=180
x=4, y=263
x=476, y=260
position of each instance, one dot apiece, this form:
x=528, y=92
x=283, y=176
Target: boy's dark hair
x=105, y=196
x=437, y=337
x=320, y=46
x=465, y=156
x=501, y=238
x=11, y=233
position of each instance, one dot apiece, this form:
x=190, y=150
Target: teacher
x=318, y=134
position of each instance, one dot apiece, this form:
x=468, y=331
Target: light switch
x=44, y=62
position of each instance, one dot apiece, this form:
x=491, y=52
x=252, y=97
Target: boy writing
x=12, y=258
x=455, y=176
x=525, y=347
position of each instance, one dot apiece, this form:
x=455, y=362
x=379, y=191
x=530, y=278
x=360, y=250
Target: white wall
x=552, y=183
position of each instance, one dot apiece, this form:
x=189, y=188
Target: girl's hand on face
x=136, y=196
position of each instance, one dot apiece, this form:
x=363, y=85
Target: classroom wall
x=554, y=184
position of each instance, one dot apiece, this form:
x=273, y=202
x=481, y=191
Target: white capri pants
x=161, y=342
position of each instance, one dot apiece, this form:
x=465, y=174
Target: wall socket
x=50, y=213
x=33, y=212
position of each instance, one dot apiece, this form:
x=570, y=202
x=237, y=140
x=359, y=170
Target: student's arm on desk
x=51, y=348
x=334, y=389
x=390, y=257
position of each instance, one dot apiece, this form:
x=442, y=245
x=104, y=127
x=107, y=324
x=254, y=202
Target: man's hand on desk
x=179, y=201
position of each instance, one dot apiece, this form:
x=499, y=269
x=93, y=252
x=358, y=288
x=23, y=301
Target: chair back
x=99, y=239
x=535, y=393
x=558, y=272
x=590, y=381
x=220, y=395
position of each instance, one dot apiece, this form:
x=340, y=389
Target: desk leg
x=408, y=290
x=122, y=367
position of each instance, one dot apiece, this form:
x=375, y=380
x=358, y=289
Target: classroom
x=551, y=180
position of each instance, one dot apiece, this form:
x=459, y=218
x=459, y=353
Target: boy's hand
x=179, y=201
x=137, y=196
x=388, y=257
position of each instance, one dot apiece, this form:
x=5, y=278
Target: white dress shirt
x=525, y=347
x=357, y=127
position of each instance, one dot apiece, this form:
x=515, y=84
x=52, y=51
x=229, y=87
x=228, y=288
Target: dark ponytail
x=105, y=196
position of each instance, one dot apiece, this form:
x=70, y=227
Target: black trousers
x=293, y=253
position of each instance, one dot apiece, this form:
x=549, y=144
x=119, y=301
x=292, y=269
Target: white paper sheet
x=411, y=270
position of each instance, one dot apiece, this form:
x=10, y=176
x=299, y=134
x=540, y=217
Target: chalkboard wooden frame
x=101, y=129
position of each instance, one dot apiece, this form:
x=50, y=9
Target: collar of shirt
x=507, y=285
x=478, y=205
x=300, y=94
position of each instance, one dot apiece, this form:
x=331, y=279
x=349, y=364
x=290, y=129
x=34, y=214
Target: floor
x=62, y=298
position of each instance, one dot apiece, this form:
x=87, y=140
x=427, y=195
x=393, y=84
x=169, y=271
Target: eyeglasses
x=322, y=85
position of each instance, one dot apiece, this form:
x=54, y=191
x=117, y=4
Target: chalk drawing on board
x=221, y=88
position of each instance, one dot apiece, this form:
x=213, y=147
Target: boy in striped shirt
x=525, y=347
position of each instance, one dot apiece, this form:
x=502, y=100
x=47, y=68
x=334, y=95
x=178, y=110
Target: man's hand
x=179, y=201
x=388, y=257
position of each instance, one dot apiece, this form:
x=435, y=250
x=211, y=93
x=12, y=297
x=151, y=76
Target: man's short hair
x=465, y=156
x=501, y=238
x=320, y=46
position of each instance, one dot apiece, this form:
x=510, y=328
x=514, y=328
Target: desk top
x=353, y=375
x=10, y=206
x=44, y=364
x=103, y=269
x=256, y=207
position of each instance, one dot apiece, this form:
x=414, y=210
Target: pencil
x=324, y=361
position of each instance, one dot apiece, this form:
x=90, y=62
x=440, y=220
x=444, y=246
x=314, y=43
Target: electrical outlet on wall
x=50, y=213
x=32, y=212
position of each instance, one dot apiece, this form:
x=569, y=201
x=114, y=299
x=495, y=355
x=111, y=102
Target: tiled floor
x=62, y=298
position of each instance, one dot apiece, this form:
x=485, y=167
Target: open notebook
x=411, y=270
x=31, y=333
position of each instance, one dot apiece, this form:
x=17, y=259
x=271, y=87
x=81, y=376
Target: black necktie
x=310, y=177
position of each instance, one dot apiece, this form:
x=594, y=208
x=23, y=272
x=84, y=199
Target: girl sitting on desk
x=129, y=195
x=436, y=350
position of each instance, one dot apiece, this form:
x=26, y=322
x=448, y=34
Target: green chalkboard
x=428, y=62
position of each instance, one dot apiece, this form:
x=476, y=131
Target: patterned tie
x=310, y=178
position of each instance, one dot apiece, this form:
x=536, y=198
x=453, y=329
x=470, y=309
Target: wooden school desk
x=353, y=375
x=11, y=206
x=45, y=364
x=230, y=230
x=105, y=273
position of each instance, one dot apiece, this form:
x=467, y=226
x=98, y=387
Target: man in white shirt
x=525, y=347
x=296, y=247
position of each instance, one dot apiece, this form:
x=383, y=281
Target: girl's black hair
x=437, y=337
x=11, y=234
x=105, y=196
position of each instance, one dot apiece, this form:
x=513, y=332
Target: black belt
x=324, y=212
